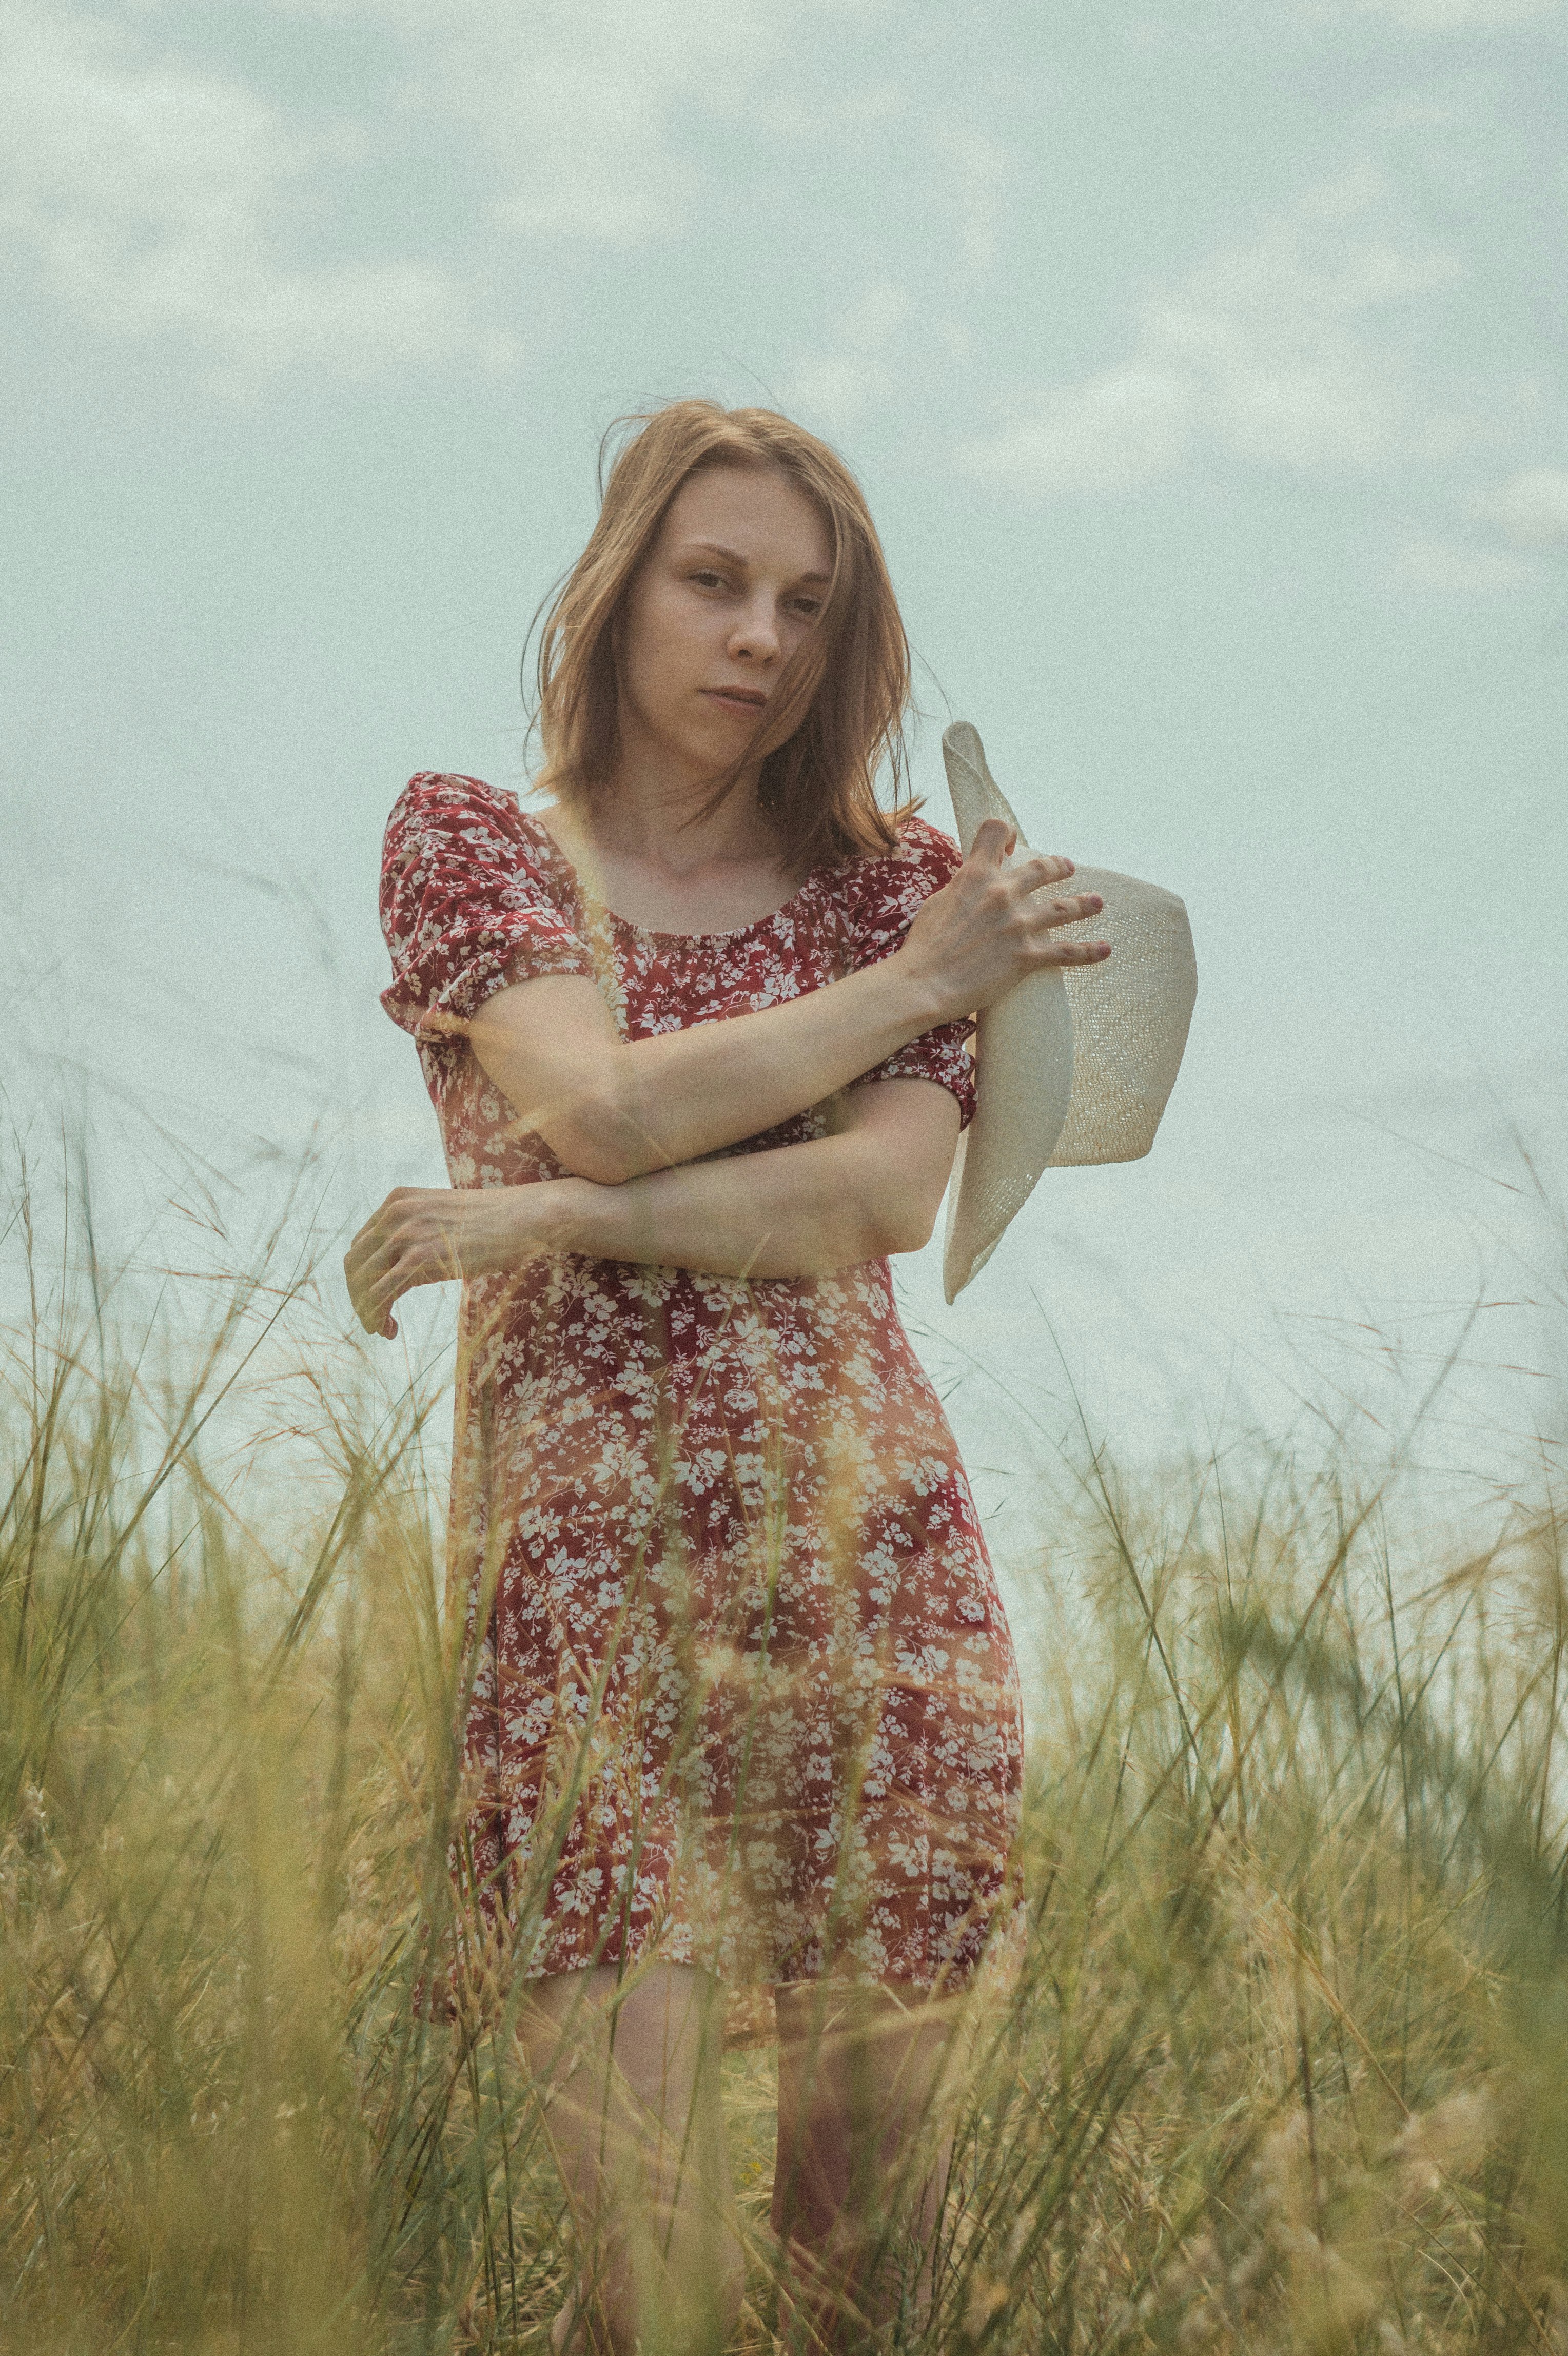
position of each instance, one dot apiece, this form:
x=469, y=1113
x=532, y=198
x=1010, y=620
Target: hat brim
x=1075, y=1065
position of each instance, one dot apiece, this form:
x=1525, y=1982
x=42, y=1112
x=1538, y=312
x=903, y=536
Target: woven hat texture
x=1074, y=1065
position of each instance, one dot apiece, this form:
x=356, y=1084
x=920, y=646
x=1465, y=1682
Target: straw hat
x=1076, y=1063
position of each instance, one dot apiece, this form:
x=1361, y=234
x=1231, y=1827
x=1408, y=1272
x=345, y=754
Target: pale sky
x=1205, y=367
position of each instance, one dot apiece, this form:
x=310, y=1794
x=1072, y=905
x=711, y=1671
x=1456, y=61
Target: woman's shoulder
x=926, y=846
x=441, y=813
x=445, y=796
x=890, y=884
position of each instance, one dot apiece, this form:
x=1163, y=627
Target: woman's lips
x=735, y=700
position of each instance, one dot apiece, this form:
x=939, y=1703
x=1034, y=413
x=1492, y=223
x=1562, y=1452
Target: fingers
x=363, y=1259
x=989, y=856
x=410, y=1265
x=365, y=1266
x=366, y=1242
x=1050, y=915
x=376, y=1316
x=1041, y=869
x=401, y=1245
x=993, y=841
x=371, y=1304
x=1070, y=911
x=993, y=844
x=1076, y=953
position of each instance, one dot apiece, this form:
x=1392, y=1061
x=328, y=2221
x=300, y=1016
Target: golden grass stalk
x=1281, y=2067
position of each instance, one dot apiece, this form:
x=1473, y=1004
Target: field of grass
x=1285, y=2066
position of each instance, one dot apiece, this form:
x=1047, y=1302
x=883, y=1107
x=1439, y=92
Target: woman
x=746, y=1710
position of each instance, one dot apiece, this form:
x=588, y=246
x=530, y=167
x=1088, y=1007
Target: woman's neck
x=667, y=822
x=653, y=854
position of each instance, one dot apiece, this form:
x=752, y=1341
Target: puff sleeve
x=886, y=898
x=465, y=909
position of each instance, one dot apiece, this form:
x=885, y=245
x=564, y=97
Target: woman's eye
x=709, y=580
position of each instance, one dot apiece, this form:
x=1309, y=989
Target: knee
x=812, y=2189
x=806, y=2214
x=697, y=2314
x=695, y=2305
x=729, y=2292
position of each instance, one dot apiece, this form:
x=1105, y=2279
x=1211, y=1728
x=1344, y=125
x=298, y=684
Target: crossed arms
x=629, y=1120
x=872, y=1186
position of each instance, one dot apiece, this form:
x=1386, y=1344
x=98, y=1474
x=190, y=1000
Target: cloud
x=1461, y=15
x=583, y=115
x=152, y=194
x=571, y=107
x=867, y=355
x=840, y=385
x=1109, y=433
x=981, y=171
x=1455, y=567
x=1531, y=508
x=1282, y=351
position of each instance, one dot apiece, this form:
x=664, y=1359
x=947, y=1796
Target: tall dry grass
x=1285, y=2065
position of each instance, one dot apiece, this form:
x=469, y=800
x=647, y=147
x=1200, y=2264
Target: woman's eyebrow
x=732, y=556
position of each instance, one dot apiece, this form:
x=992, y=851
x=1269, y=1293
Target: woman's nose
x=755, y=633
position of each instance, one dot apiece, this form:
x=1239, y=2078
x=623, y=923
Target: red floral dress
x=744, y=1692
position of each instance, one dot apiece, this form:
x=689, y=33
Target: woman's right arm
x=612, y=1110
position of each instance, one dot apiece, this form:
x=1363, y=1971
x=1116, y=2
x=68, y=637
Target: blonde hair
x=836, y=716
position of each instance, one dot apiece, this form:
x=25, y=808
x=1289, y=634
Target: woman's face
x=737, y=577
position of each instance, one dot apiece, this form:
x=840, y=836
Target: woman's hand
x=426, y=1234
x=992, y=923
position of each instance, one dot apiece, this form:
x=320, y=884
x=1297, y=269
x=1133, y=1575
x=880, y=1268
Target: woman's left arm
x=872, y=1187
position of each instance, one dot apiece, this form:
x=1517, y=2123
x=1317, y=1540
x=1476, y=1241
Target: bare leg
x=865, y=2144
x=629, y=2068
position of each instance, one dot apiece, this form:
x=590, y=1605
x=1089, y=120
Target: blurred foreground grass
x=1286, y=2067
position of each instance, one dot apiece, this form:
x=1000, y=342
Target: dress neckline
x=652, y=931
